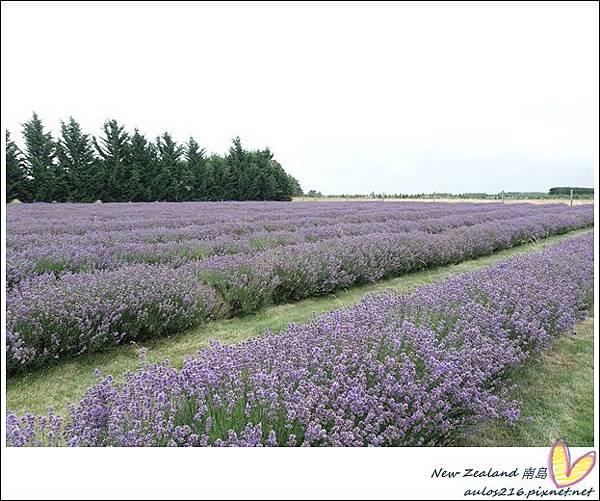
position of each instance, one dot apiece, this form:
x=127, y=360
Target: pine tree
x=255, y=183
x=16, y=181
x=235, y=183
x=60, y=187
x=40, y=151
x=280, y=186
x=285, y=189
x=196, y=169
x=142, y=166
x=186, y=171
x=215, y=178
x=251, y=180
x=169, y=177
x=266, y=185
x=113, y=149
x=77, y=161
x=295, y=186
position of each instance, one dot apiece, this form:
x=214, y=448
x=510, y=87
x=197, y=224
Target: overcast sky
x=350, y=98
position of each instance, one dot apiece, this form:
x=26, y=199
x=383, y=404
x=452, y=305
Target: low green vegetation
x=544, y=398
x=557, y=391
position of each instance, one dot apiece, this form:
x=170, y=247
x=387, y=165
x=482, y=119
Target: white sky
x=351, y=98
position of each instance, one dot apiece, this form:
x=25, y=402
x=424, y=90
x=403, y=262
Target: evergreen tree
x=267, y=180
x=234, y=182
x=77, y=161
x=113, y=149
x=196, y=170
x=265, y=184
x=208, y=183
x=40, y=151
x=258, y=183
x=215, y=178
x=186, y=172
x=282, y=187
x=169, y=177
x=251, y=179
x=130, y=168
x=16, y=181
x=295, y=186
x=142, y=166
x=60, y=184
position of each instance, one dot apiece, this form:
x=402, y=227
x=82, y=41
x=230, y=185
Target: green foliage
x=113, y=149
x=566, y=191
x=314, y=194
x=16, y=180
x=143, y=167
x=76, y=160
x=296, y=188
x=39, y=154
x=123, y=167
x=169, y=181
x=245, y=293
x=196, y=171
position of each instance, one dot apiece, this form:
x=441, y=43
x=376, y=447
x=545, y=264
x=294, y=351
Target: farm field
x=85, y=278
x=405, y=356
x=65, y=381
x=442, y=199
x=380, y=236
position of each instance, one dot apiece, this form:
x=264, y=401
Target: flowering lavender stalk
x=393, y=370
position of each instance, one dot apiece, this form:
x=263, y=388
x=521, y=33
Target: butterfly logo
x=565, y=473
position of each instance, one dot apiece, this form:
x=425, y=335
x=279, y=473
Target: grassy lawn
x=557, y=391
x=65, y=382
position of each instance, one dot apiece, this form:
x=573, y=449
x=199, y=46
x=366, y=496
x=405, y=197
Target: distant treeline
x=566, y=190
x=120, y=166
x=579, y=193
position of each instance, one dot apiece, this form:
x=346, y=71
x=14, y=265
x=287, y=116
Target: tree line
x=580, y=193
x=566, y=190
x=120, y=166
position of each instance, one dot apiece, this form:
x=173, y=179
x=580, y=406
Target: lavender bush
x=393, y=370
x=141, y=273
x=50, y=318
x=114, y=236
x=248, y=281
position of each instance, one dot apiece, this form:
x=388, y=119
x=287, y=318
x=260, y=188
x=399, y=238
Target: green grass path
x=66, y=382
x=557, y=391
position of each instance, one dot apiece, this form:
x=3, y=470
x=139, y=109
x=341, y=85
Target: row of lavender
x=51, y=317
x=393, y=370
x=80, y=219
x=90, y=242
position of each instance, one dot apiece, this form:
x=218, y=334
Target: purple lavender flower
x=85, y=278
x=394, y=370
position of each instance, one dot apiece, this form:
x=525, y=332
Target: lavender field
x=85, y=277
x=394, y=370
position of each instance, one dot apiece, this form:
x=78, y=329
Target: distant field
x=549, y=200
